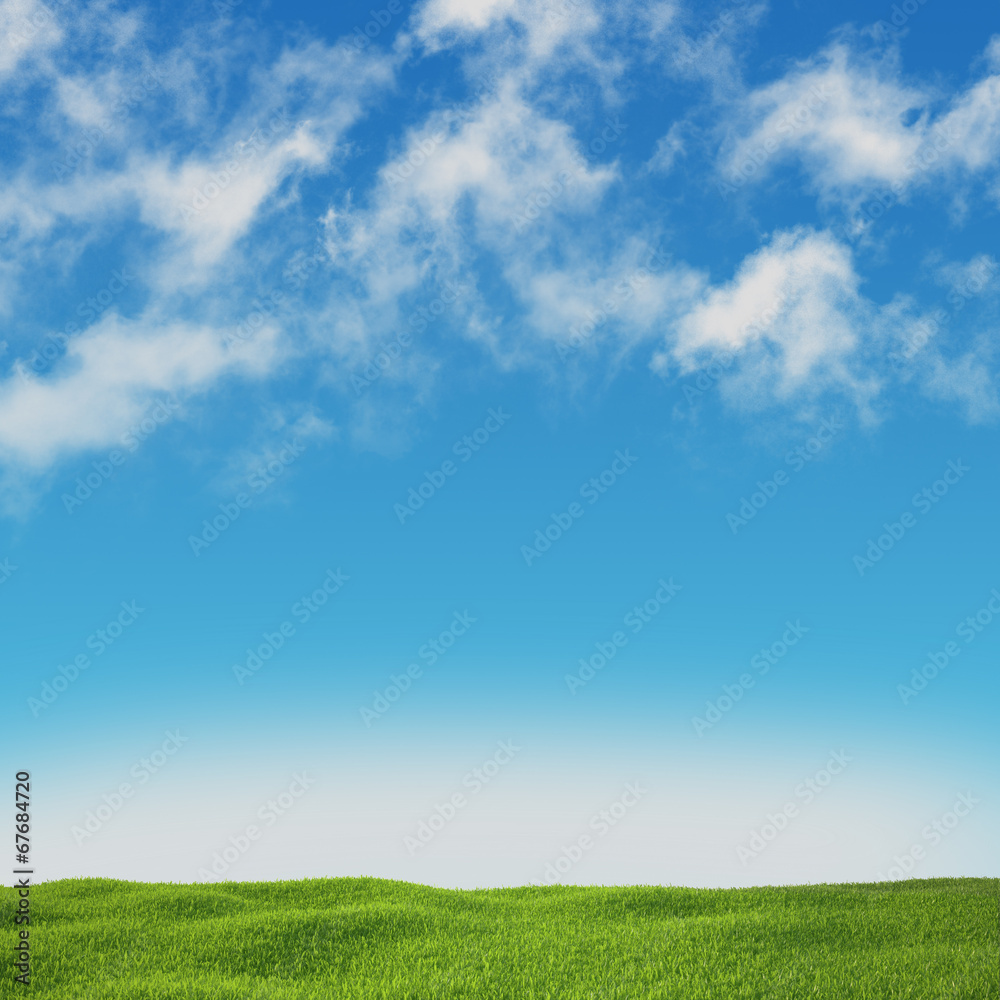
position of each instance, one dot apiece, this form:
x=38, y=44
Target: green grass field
x=933, y=939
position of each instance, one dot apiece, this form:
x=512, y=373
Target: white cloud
x=658, y=17
x=973, y=126
x=968, y=380
x=792, y=313
x=185, y=200
x=500, y=178
x=842, y=115
x=281, y=433
x=970, y=278
x=209, y=205
x=588, y=304
x=543, y=29
x=439, y=16
x=209, y=195
x=703, y=45
x=853, y=124
x=992, y=53
x=27, y=27
x=534, y=44
x=106, y=381
x=668, y=149
x=792, y=325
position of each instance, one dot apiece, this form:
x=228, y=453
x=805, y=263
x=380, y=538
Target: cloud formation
x=523, y=205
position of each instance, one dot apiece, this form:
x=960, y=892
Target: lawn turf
x=373, y=939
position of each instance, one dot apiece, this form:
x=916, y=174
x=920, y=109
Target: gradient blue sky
x=259, y=262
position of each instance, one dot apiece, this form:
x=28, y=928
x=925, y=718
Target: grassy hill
x=369, y=939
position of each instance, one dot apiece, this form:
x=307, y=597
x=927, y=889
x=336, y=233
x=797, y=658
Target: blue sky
x=485, y=443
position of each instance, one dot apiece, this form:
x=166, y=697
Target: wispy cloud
x=530, y=183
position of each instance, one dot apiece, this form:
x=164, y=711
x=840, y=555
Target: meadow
x=372, y=939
